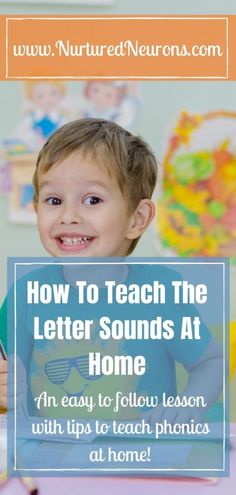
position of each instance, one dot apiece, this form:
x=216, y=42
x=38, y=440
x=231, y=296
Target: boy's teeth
x=70, y=241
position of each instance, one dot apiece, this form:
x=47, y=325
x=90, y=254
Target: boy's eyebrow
x=88, y=183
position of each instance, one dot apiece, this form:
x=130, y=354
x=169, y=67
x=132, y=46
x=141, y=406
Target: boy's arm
x=205, y=379
x=6, y=377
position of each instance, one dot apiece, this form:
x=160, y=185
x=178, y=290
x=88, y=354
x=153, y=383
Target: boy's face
x=82, y=211
x=46, y=96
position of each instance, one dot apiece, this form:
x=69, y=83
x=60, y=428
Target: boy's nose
x=70, y=215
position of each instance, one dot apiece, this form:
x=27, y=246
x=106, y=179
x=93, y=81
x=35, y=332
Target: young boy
x=93, y=183
x=93, y=186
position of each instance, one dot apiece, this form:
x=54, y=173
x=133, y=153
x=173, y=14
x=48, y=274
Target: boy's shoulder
x=148, y=272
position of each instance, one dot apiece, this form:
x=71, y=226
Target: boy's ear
x=141, y=218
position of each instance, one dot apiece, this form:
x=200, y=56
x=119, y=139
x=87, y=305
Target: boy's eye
x=92, y=200
x=53, y=201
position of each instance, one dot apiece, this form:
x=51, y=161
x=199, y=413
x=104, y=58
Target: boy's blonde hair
x=120, y=152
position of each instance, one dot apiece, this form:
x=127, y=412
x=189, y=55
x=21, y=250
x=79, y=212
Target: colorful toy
x=197, y=209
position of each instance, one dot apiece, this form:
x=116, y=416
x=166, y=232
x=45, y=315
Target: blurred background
x=190, y=125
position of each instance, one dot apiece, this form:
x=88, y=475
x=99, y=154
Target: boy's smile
x=70, y=242
x=82, y=211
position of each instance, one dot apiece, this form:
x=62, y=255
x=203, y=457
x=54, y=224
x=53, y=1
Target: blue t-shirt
x=60, y=367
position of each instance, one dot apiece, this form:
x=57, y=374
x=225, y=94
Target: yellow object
x=199, y=189
x=3, y=478
x=195, y=201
